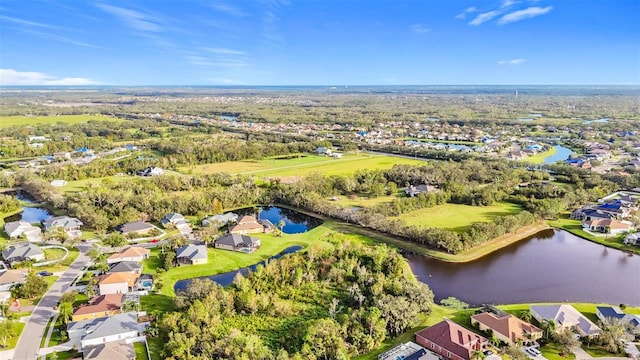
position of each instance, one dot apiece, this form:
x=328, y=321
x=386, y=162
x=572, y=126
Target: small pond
x=31, y=215
x=562, y=153
x=294, y=221
x=225, y=279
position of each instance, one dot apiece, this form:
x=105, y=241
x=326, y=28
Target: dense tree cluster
x=326, y=303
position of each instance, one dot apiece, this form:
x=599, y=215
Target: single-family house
x=565, y=316
x=103, y=330
x=15, y=229
x=247, y=225
x=506, y=327
x=412, y=191
x=237, y=242
x=116, y=350
x=174, y=219
x=9, y=278
x=151, y=171
x=132, y=253
x=632, y=239
x=116, y=283
x=605, y=312
x=131, y=267
x=450, y=340
x=62, y=155
x=22, y=252
x=609, y=226
x=221, y=219
x=136, y=228
x=192, y=254
x=99, y=306
x=70, y=224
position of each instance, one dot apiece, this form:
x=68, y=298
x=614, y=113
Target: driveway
x=29, y=342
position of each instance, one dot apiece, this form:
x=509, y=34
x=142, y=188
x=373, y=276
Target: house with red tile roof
x=247, y=225
x=99, y=306
x=451, y=340
x=133, y=253
x=506, y=327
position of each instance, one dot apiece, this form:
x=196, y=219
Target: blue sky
x=319, y=42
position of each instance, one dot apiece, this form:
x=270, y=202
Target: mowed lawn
x=302, y=166
x=457, y=217
x=6, y=121
x=79, y=185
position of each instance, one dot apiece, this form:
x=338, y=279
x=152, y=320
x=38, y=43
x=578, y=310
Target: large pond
x=552, y=266
x=226, y=279
x=562, y=153
x=294, y=221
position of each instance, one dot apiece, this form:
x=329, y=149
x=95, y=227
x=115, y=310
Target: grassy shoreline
x=575, y=228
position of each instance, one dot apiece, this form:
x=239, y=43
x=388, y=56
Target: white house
x=17, y=228
x=21, y=252
x=565, y=316
x=58, y=183
x=105, y=329
x=117, y=283
x=632, y=239
x=132, y=253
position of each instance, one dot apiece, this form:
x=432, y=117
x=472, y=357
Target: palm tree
x=525, y=315
x=66, y=310
x=478, y=355
x=281, y=225
x=549, y=328
x=614, y=334
x=494, y=341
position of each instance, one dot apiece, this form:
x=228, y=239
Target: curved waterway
x=562, y=153
x=551, y=266
x=226, y=279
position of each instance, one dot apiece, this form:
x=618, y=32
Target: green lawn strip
x=53, y=254
x=7, y=121
x=156, y=347
x=60, y=266
x=457, y=217
x=65, y=355
x=141, y=351
x=539, y=157
x=552, y=351
x=13, y=341
x=599, y=351
x=364, y=201
x=221, y=261
x=46, y=331
x=575, y=227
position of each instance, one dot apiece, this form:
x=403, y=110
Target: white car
x=533, y=351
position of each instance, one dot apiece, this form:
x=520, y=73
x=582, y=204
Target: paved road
x=29, y=343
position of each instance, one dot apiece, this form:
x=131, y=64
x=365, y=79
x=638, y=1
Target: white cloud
x=27, y=22
x=527, y=13
x=225, y=51
x=484, y=17
x=507, y=3
x=134, y=19
x=463, y=15
x=227, y=9
x=14, y=77
x=420, y=29
x=511, y=62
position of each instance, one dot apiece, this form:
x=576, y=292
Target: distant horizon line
x=330, y=86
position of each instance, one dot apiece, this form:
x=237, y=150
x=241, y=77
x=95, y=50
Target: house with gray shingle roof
x=105, y=329
x=137, y=227
x=237, y=242
x=70, y=224
x=15, y=229
x=21, y=252
x=565, y=316
x=221, y=219
x=192, y=254
x=132, y=267
x=117, y=350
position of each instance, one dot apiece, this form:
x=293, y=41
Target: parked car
x=488, y=352
x=45, y=273
x=533, y=351
x=153, y=240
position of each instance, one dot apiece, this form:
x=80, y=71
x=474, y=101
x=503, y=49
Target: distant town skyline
x=314, y=42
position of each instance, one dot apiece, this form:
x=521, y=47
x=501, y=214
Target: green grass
x=46, y=331
x=539, y=157
x=456, y=217
x=221, y=261
x=141, y=351
x=13, y=341
x=73, y=254
x=599, y=351
x=155, y=348
x=65, y=355
x=302, y=166
x=364, y=201
x=53, y=254
x=79, y=185
x=7, y=121
x=552, y=352
x=575, y=227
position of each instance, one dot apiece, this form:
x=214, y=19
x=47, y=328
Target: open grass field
x=539, y=157
x=6, y=121
x=363, y=201
x=79, y=185
x=303, y=165
x=456, y=217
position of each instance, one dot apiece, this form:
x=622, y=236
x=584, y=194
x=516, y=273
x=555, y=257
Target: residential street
x=29, y=343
